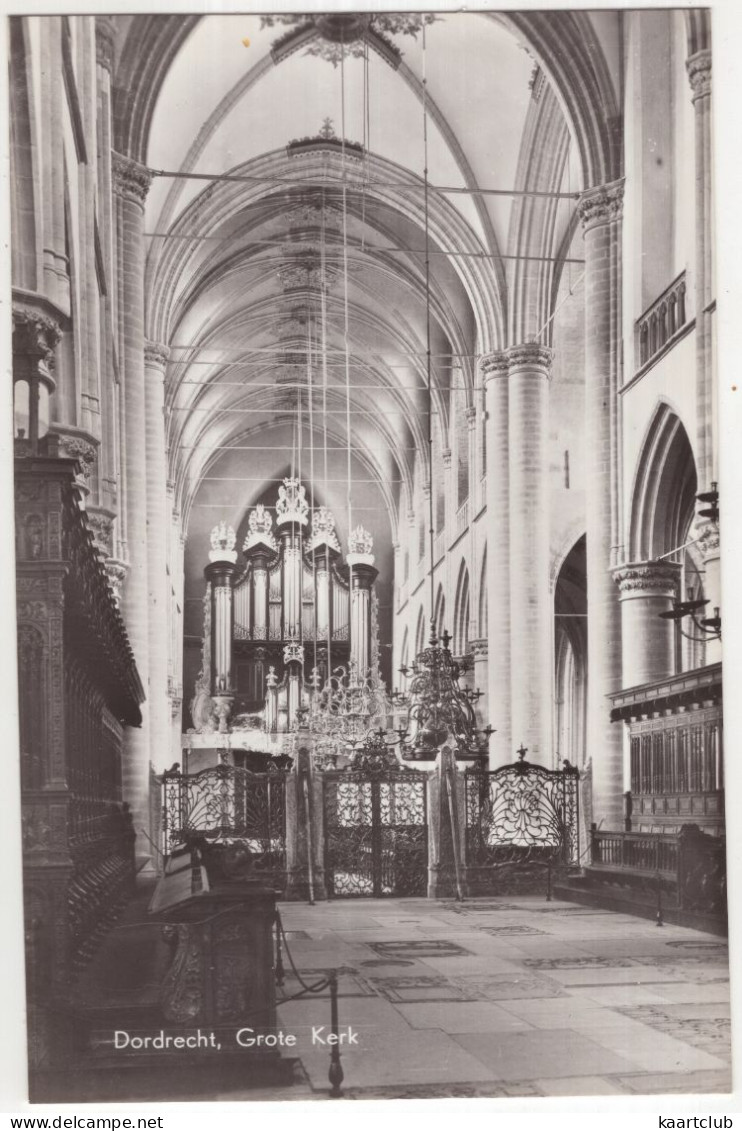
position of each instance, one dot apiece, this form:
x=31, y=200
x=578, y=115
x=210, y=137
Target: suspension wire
x=558, y=307
x=323, y=315
x=311, y=479
x=365, y=144
x=345, y=332
x=293, y=182
x=431, y=529
x=363, y=246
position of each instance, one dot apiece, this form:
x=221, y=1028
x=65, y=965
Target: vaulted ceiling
x=287, y=227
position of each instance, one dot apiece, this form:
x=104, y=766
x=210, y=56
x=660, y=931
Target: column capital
x=479, y=648
x=600, y=205
x=708, y=540
x=35, y=333
x=117, y=572
x=446, y=457
x=156, y=355
x=105, y=41
x=493, y=365
x=698, y=67
x=131, y=180
x=100, y=524
x=530, y=355
x=470, y=413
x=647, y=579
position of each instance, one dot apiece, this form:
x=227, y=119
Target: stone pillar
x=130, y=185
x=699, y=75
x=105, y=37
x=449, y=498
x=494, y=369
x=648, y=642
x=158, y=512
x=601, y=212
x=531, y=647
x=446, y=829
x=56, y=280
x=709, y=543
x=305, y=871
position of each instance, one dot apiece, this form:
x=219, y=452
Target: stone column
x=494, y=370
x=648, y=642
x=531, y=648
x=56, y=280
x=105, y=37
x=601, y=212
x=155, y=361
x=699, y=75
x=709, y=543
x=130, y=185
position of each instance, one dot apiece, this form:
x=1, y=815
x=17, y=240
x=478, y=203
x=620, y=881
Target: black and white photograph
x=367, y=464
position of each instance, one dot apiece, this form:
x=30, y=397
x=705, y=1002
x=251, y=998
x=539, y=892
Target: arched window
x=570, y=647
x=461, y=615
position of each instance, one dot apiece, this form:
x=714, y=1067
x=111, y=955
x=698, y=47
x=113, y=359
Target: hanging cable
x=431, y=529
x=345, y=333
x=323, y=315
x=311, y=480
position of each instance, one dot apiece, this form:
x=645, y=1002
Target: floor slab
x=542, y=1054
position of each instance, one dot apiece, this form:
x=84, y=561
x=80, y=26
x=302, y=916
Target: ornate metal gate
x=520, y=819
x=230, y=805
x=376, y=833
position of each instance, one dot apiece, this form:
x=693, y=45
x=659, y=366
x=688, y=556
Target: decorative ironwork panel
x=228, y=803
x=522, y=812
x=376, y=833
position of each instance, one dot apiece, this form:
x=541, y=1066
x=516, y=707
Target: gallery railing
x=692, y=864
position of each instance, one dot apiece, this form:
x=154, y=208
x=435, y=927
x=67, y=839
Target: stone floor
x=515, y=997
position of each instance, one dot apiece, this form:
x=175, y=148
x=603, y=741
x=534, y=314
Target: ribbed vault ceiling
x=306, y=272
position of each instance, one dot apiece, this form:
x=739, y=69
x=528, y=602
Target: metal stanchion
x=336, y=1069
x=658, y=919
x=280, y=971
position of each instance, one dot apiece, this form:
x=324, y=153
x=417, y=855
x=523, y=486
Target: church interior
x=366, y=445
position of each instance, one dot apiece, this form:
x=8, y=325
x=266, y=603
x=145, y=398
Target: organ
x=279, y=619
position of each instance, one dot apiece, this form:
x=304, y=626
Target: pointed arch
x=404, y=654
x=570, y=654
x=439, y=616
x=420, y=631
x=461, y=613
x=482, y=630
x=663, y=499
